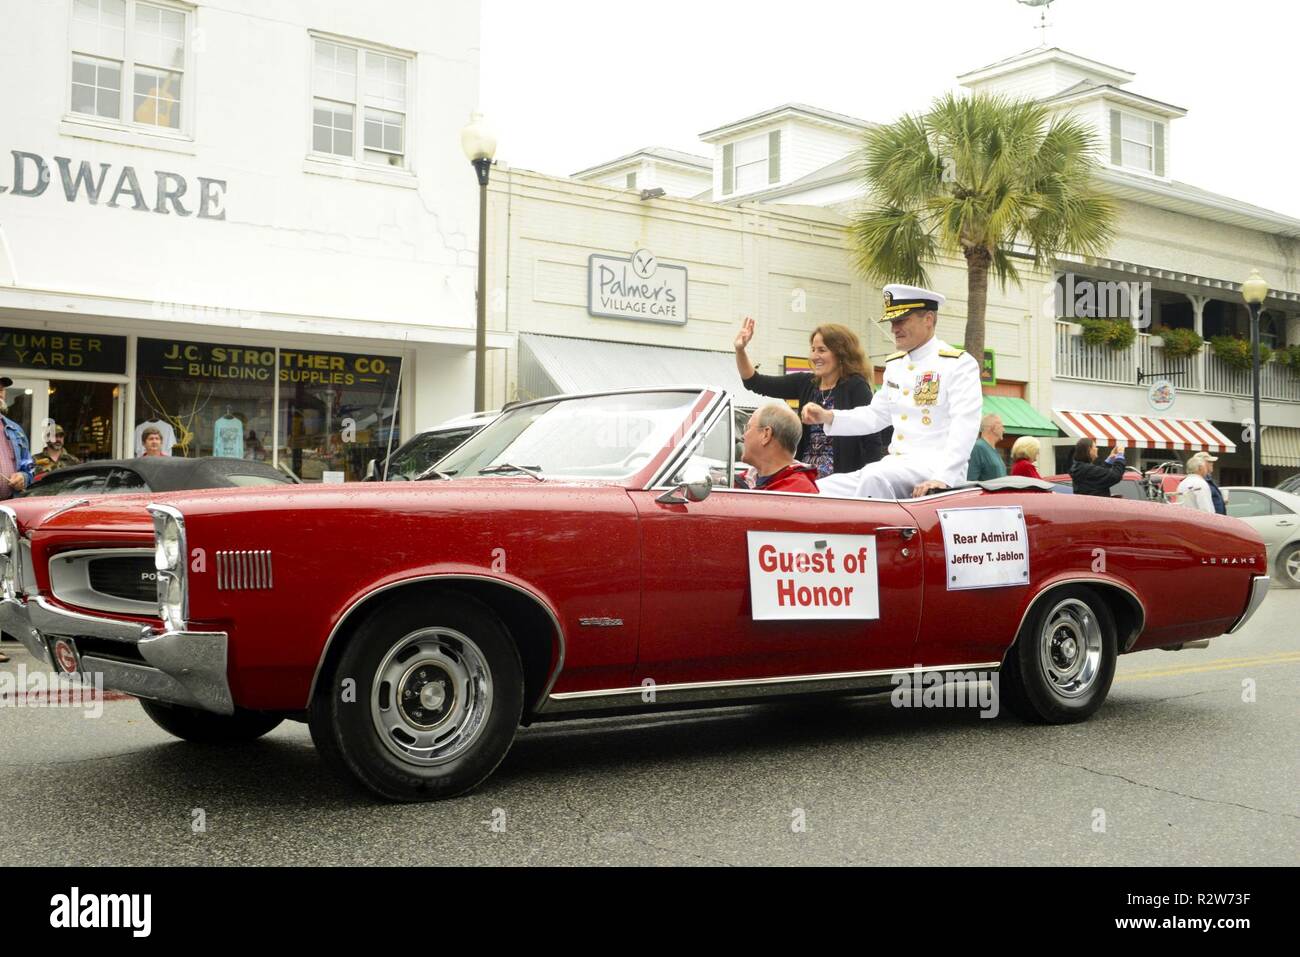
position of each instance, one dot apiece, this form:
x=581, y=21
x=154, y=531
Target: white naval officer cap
x=901, y=299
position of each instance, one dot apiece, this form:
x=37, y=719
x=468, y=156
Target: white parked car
x=1275, y=515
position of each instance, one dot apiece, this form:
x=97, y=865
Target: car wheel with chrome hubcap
x=424, y=701
x=1062, y=664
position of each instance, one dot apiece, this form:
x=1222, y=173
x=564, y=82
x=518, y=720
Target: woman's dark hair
x=844, y=345
x=1083, y=450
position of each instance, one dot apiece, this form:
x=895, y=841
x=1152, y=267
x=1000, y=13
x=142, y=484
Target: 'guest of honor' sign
x=639, y=287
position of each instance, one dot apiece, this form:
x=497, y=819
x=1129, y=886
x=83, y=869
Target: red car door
x=697, y=618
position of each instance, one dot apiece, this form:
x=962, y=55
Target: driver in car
x=771, y=438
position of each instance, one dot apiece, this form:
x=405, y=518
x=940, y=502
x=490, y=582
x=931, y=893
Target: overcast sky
x=568, y=84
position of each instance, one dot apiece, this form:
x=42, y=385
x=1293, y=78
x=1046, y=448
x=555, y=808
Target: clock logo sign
x=644, y=263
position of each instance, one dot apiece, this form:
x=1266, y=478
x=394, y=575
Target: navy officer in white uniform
x=931, y=396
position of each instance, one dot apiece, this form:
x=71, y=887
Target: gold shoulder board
x=952, y=353
x=895, y=355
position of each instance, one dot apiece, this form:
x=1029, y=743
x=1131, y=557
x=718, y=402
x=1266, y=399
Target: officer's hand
x=814, y=414
x=745, y=334
x=18, y=481
x=925, y=488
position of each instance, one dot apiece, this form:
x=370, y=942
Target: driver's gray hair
x=785, y=425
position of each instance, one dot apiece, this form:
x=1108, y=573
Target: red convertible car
x=591, y=554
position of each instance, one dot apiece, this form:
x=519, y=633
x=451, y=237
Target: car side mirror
x=695, y=486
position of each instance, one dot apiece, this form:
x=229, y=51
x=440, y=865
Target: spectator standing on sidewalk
x=985, y=463
x=1088, y=477
x=16, y=465
x=1023, y=455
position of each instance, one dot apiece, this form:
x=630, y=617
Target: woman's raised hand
x=745, y=334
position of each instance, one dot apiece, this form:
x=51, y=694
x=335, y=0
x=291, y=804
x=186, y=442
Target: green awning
x=1018, y=416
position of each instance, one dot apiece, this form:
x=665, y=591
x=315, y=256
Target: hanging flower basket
x=1118, y=334
x=1182, y=343
x=1235, y=353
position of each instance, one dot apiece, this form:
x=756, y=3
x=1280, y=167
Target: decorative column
x=1198, y=324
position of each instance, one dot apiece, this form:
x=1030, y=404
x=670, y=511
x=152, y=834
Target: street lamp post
x=1253, y=290
x=480, y=143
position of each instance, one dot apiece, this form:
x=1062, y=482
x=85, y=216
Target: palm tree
x=977, y=175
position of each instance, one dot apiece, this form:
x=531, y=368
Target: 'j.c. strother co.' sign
x=639, y=287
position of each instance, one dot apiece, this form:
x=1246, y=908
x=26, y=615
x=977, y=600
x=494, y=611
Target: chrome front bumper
x=179, y=667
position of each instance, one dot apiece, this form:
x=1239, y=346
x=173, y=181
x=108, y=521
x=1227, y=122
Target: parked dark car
x=155, y=474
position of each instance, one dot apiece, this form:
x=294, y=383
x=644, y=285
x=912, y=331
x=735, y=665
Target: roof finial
x=1042, y=25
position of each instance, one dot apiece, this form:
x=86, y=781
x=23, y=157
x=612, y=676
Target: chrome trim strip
x=1142, y=609
x=60, y=509
x=559, y=631
x=571, y=701
x=49, y=619
x=188, y=668
x=1258, y=591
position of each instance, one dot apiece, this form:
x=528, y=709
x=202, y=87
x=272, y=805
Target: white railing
x=1077, y=359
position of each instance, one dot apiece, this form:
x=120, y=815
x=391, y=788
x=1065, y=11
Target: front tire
x=424, y=701
x=1063, y=662
x=1288, y=565
x=206, y=727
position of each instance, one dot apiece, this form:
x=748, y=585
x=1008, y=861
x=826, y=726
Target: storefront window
x=336, y=412
x=336, y=409
x=84, y=410
x=205, y=399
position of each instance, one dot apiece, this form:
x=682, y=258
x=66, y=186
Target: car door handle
x=1285, y=524
x=907, y=531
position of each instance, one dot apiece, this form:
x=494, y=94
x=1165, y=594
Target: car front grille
x=131, y=577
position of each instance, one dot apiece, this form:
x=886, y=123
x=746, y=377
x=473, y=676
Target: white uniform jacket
x=932, y=398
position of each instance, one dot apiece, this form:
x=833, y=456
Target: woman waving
x=837, y=381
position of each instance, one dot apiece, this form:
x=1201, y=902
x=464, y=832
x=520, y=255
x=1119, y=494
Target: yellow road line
x=1221, y=664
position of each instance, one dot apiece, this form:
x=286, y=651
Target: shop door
x=89, y=413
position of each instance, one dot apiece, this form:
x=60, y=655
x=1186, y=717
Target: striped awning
x=1144, y=431
x=1280, y=445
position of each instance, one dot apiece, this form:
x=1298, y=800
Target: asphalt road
x=1176, y=769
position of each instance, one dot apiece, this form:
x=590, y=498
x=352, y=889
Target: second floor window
x=1137, y=143
x=128, y=61
x=354, y=86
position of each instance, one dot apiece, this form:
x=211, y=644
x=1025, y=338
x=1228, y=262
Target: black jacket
x=849, y=452
x=1096, y=478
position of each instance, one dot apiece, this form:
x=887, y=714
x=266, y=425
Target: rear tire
x=424, y=701
x=206, y=727
x=1063, y=662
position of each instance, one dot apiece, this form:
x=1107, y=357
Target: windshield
x=423, y=450
x=603, y=437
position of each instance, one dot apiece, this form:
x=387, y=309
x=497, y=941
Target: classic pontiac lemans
x=594, y=554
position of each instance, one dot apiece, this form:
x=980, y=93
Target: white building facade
x=212, y=217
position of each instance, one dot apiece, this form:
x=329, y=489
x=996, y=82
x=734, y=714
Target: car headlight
x=9, y=555
x=170, y=561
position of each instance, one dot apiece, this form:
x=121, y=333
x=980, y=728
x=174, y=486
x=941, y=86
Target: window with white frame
x=751, y=163
x=1137, y=143
x=129, y=61
x=351, y=84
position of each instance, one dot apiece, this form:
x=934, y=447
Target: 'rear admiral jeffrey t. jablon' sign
x=638, y=287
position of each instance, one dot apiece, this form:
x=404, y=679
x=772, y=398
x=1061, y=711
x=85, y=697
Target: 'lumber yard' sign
x=157, y=192
x=802, y=575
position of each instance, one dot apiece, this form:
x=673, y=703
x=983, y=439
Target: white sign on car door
x=805, y=575
x=985, y=547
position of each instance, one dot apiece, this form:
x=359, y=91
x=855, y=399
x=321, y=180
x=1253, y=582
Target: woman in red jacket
x=1023, y=455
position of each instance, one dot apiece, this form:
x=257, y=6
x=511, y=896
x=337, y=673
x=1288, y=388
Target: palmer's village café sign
x=639, y=287
x=156, y=191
